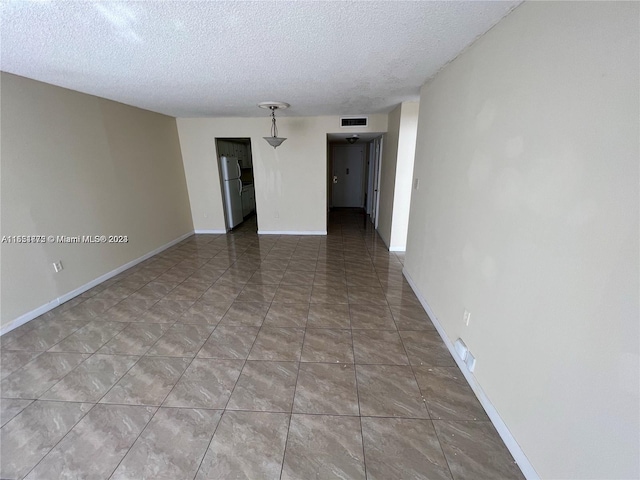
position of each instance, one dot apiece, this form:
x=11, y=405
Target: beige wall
x=527, y=155
x=290, y=181
x=74, y=164
x=396, y=175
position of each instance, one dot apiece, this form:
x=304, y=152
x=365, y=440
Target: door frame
x=374, y=171
x=247, y=142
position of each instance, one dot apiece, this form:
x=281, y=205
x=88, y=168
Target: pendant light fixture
x=274, y=140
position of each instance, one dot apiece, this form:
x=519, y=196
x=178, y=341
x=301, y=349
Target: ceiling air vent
x=354, y=121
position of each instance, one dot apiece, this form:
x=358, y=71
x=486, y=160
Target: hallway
x=245, y=356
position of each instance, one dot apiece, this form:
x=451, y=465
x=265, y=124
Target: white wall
x=290, y=181
x=74, y=164
x=527, y=215
x=404, y=175
x=388, y=166
x=396, y=175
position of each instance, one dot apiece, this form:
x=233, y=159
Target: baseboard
x=22, y=319
x=397, y=249
x=389, y=248
x=292, y=232
x=519, y=456
x=210, y=231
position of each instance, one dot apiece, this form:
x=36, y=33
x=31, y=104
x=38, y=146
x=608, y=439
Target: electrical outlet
x=416, y=183
x=467, y=317
x=57, y=266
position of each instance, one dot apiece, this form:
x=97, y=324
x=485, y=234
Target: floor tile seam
x=293, y=400
x=61, y=439
x=210, y=440
x=446, y=459
x=31, y=402
x=136, y=316
x=158, y=339
x=134, y=442
x=135, y=291
x=140, y=357
x=245, y=360
x=421, y=394
x=63, y=339
x=355, y=374
x=291, y=410
x=95, y=351
x=320, y=414
x=428, y=397
x=20, y=336
x=215, y=327
x=415, y=378
x=61, y=378
x=3, y=397
x=83, y=361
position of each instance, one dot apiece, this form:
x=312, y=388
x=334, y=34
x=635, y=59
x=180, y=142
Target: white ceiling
x=216, y=58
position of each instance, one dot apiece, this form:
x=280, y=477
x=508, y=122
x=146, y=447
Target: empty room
x=319, y=240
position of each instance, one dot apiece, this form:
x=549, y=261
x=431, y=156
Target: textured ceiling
x=215, y=58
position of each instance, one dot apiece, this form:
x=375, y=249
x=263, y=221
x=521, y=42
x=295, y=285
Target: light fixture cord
x=274, y=128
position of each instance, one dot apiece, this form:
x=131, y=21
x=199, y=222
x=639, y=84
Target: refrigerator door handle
x=240, y=186
x=239, y=170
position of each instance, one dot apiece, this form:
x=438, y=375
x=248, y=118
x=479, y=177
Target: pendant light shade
x=274, y=140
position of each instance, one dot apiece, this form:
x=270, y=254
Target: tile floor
x=238, y=356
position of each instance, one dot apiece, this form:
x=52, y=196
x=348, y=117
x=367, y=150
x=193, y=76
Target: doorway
x=347, y=176
x=235, y=164
x=373, y=180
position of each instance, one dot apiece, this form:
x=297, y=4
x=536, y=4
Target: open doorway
x=353, y=171
x=235, y=165
x=373, y=179
x=347, y=176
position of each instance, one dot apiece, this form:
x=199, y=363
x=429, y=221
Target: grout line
x=206, y=450
x=134, y=442
x=435, y=430
x=426, y=406
x=355, y=374
x=59, y=441
x=258, y=411
x=293, y=402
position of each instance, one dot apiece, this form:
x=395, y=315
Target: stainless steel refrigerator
x=232, y=187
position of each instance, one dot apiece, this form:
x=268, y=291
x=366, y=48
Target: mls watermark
x=65, y=239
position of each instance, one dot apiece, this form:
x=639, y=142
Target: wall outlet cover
x=461, y=349
x=470, y=361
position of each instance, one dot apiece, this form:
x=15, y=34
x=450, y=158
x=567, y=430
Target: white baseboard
x=292, y=232
x=22, y=319
x=397, y=249
x=211, y=231
x=512, y=445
